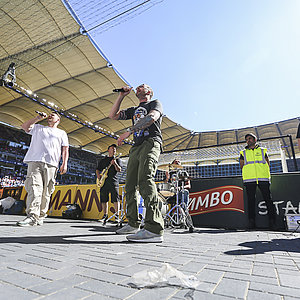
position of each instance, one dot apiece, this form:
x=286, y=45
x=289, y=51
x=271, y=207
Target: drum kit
x=177, y=215
x=175, y=212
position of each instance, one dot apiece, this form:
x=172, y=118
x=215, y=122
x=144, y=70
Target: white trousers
x=39, y=184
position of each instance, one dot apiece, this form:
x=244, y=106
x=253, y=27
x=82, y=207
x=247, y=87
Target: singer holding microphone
x=142, y=163
x=48, y=144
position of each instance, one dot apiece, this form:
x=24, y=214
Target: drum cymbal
x=175, y=166
x=168, y=167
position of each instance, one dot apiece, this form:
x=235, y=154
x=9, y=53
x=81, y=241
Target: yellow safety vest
x=255, y=166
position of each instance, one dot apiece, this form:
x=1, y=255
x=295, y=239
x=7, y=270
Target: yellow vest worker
x=255, y=167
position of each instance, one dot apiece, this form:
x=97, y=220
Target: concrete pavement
x=68, y=259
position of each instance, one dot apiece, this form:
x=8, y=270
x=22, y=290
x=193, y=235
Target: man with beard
x=142, y=164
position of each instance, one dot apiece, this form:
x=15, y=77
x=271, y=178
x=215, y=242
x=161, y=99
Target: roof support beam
x=192, y=136
x=199, y=140
x=256, y=132
x=183, y=137
x=285, y=145
x=174, y=148
x=236, y=135
x=173, y=137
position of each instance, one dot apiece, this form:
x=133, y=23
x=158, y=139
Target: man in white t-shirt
x=48, y=145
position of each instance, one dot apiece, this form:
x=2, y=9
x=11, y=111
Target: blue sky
x=214, y=64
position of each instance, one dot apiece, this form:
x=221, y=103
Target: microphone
x=118, y=90
x=42, y=114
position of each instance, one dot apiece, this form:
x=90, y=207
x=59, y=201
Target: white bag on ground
x=166, y=275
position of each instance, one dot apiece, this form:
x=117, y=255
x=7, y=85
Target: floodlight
x=9, y=77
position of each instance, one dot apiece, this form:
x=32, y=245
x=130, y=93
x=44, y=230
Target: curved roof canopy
x=58, y=63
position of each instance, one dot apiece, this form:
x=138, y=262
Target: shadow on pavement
x=259, y=247
x=61, y=239
x=99, y=228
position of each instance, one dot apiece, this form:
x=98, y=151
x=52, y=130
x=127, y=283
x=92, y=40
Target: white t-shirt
x=46, y=143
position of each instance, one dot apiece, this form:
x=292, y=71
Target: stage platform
x=68, y=259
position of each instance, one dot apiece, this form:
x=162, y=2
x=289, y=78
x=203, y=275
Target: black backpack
x=73, y=211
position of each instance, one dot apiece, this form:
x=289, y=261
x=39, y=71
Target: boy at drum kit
x=184, y=183
x=175, y=191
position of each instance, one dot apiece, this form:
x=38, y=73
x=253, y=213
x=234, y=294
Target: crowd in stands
x=84, y=156
x=11, y=181
x=14, y=135
x=4, y=147
x=12, y=153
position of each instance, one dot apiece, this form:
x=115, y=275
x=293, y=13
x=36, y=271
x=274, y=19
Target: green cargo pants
x=141, y=169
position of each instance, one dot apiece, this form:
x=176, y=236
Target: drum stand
x=122, y=209
x=178, y=216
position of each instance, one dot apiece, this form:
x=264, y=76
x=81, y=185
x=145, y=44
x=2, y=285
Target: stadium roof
x=58, y=63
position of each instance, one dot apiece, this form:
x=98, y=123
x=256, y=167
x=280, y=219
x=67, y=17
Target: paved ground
x=66, y=259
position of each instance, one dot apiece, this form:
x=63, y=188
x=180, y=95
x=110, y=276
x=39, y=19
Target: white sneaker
x=127, y=229
x=27, y=222
x=145, y=236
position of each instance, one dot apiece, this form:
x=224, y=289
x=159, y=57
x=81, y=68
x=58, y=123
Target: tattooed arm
x=145, y=122
x=141, y=124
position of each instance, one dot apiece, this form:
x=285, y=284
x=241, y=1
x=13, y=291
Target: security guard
x=255, y=167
